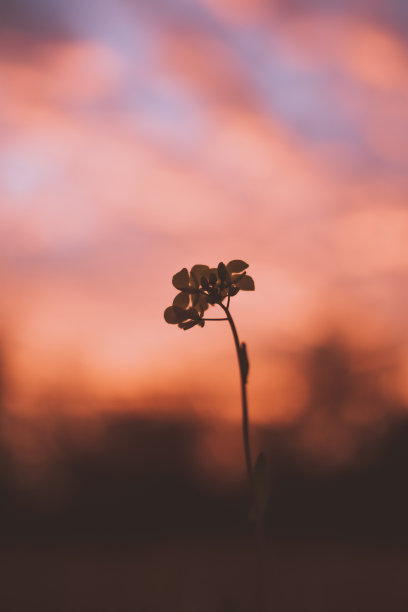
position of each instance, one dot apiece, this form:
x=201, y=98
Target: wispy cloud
x=138, y=139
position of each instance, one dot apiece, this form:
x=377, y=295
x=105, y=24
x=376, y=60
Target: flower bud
x=222, y=272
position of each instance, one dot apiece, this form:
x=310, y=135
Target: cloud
x=124, y=160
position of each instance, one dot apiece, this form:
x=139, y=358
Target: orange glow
x=283, y=148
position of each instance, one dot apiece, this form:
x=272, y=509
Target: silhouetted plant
x=198, y=289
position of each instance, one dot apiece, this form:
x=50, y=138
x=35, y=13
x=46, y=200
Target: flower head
x=204, y=286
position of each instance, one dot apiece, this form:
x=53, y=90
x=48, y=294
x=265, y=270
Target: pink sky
x=148, y=141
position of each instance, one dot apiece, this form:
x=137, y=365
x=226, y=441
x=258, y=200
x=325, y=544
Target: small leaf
x=243, y=358
x=246, y=283
x=170, y=315
x=261, y=488
x=181, y=279
x=236, y=265
x=181, y=300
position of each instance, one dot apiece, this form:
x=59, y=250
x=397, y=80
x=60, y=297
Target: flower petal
x=236, y=265
x=182, y=314
x=181, y=279
x=197, y=272
x=246, y=283
x=236, y=277
x=170, y=315
x=181, y=300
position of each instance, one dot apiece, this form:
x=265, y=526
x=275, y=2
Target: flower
x=226, y=280
x=204, y=286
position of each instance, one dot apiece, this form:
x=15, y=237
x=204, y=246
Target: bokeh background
x=138, y=138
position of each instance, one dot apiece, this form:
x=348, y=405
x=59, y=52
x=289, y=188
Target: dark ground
x=123, y=517
x=124, y=527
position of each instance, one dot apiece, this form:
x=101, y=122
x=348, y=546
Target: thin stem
x=223, y=319
x=245, y=420
x=243, y=370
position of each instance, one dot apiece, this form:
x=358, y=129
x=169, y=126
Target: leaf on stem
x=243, y=358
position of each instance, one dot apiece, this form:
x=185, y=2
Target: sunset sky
x=138, y=138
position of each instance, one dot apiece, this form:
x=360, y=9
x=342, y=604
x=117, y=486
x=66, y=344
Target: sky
x=138, y=138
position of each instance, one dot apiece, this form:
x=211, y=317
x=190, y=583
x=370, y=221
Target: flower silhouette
x=204, y=286
x=197, y=290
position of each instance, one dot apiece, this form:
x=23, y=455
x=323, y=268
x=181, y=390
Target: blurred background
x=138, y=138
